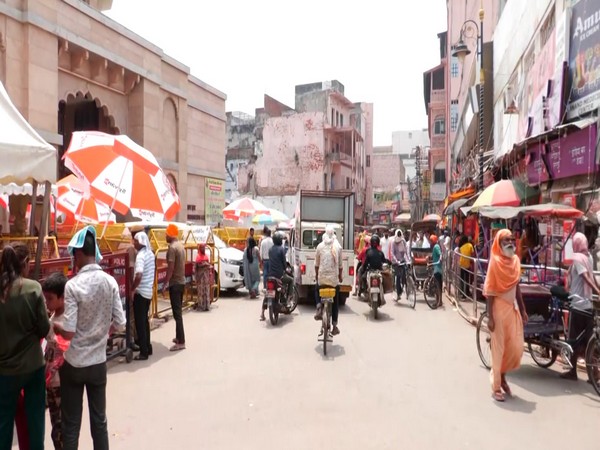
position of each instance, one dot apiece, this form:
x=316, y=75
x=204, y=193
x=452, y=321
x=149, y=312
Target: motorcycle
x=375, y=286
x=278, y=301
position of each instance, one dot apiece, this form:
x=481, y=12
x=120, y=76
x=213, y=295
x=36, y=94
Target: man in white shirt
x=92, y=309
x=265, y=245
x=328, y=272
x=385, y=243
x=143, y=286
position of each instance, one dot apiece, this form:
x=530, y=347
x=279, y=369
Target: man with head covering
x=328, y=273
x=93, y=308
x=436, y=260
x=399, y=258
x=175, y=281
x=143, y=286
x=582, y=284
x=506, y=311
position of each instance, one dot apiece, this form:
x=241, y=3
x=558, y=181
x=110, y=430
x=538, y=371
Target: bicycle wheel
x=325, y=326
x=542, y=355
x=429, y=292
x=411, y=291
x=484, y=341
x=592, y=362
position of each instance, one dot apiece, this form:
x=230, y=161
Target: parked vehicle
x=315, y=210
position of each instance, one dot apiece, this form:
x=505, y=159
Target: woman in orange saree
x=506, y=311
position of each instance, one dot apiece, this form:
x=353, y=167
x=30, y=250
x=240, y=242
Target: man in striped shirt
x=143, y=285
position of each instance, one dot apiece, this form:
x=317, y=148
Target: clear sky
x=378, y=49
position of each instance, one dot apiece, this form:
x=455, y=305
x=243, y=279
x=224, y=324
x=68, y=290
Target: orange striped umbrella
x=122, y=174
x=74, y=199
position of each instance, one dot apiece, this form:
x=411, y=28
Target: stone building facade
x=68, y=67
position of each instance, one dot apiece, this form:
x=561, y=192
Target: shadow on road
x=284, y=319
x=546, y=383
x=381, y=316
x=517, y=404
x=160, y=351
x=333, y=351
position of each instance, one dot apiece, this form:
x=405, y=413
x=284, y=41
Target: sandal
x=506, y=388
x=498, y=396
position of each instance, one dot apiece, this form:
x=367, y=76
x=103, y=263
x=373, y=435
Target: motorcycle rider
x=328, y=272
x=374, y=259
x=277, y=266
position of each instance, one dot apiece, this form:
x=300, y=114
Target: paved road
x=411, y=380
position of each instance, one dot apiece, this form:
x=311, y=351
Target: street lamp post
x=461, y=50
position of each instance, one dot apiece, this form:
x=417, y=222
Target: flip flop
x=498, y=396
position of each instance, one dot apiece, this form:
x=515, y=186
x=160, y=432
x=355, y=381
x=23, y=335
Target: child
x=54, y=290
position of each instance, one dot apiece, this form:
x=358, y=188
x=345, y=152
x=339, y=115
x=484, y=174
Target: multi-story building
x=462, y=92
x=320, y=145
x=388, y=178
x=69, y=67
x=435, y=82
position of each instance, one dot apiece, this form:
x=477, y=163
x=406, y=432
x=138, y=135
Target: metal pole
x=481, y=116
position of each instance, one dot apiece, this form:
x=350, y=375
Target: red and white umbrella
x=244, y=207
x=122, y=174
x=74, y=198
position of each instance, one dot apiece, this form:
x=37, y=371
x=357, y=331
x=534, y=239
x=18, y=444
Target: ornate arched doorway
x=81, y=112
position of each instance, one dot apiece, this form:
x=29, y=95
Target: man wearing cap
x=175, y=280
x=93, y=308
x=143, y=284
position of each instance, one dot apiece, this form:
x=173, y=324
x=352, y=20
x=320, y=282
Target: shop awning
x=544, y=210
x=404, y=217
x=468, y=192
x=453, y=208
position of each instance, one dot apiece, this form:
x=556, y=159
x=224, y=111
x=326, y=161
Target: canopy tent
x=26, y=157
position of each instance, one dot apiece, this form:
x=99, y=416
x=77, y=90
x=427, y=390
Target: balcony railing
x=438, y=96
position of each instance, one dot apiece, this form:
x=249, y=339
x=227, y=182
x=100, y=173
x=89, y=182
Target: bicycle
x=408, y=283
x=432, y=291
x=592, y=351
x=327, y=295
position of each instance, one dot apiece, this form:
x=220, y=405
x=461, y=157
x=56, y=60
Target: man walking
x=93, y=308
x=265, y=245
x=175, y=280
x=143, y=285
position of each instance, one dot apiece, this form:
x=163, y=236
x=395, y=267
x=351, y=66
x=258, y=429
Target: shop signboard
x=438, y=192
x=584, y=64
x=214, y=200
x=567, y=156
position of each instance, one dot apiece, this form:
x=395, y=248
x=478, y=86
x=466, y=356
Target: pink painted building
x=462, y=94
x=321, y=145
x=435, y=82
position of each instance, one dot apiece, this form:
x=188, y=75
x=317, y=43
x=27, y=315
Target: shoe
x=319, y=313
x=263, y=318
x=150, y=350
x=177, y=347
x=135, y=347
x=174, y=341
x=335, y=330
x=141, y=358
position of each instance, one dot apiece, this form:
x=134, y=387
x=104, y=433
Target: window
x=439, y=126
x=454, y=70
x=437, y=82
x=312, y=238
x=368, y=160
x=341, y=120
x=324, y=181
x=332, y=117
x=337, y=119
x=453, y=115
x=347, y=182
x=439, y=172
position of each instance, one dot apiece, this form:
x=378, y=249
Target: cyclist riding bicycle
x=436, y=261
x=328, y=273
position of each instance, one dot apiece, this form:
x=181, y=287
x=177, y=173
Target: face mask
x=508, y=250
